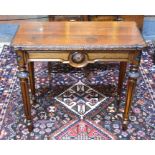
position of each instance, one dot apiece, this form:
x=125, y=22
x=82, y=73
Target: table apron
x=92, y=56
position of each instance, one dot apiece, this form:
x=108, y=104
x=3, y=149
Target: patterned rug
x=72, y=104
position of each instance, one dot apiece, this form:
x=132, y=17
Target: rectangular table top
x=78, y=36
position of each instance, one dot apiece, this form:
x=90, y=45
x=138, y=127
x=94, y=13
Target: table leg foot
x=124, y=126
x=30, y=125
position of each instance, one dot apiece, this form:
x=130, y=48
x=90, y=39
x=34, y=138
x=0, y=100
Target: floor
x=149, y=28
x=7, y=32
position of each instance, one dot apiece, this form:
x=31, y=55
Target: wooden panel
x=92, y=56
x=108, y=55
x=78, y=35
x=48, y=55
x=65, y=18
x=103, y=18
x=139, y=19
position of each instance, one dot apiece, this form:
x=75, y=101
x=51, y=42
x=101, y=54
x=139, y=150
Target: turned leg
x=49, y=72
x=32, y=79
x=133, y=75
x=49, y=68
x=122, y=71
x=23, y=75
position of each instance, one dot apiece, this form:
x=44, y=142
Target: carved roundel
x=78, y=59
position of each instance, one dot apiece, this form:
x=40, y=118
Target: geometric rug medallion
x=81, y=99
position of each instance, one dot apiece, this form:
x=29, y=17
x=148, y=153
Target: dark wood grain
x=78, y=35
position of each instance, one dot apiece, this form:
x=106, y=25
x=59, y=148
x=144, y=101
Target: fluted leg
x=49, y=72
x=32, y=79
x=23, y=75
x=133, y=75
x=122, y=71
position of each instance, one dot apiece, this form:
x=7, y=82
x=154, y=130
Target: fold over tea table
x=77, y=43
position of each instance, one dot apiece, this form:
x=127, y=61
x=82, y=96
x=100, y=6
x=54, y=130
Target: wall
x=149, y=28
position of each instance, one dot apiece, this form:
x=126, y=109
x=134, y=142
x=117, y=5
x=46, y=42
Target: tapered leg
x=49, y=72
x=23, y=75
x=26, y=100
x=122, y=71
x=31, y=77
x=49, y=68
x=133, y=75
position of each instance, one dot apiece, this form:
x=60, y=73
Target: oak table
x=77, y=43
